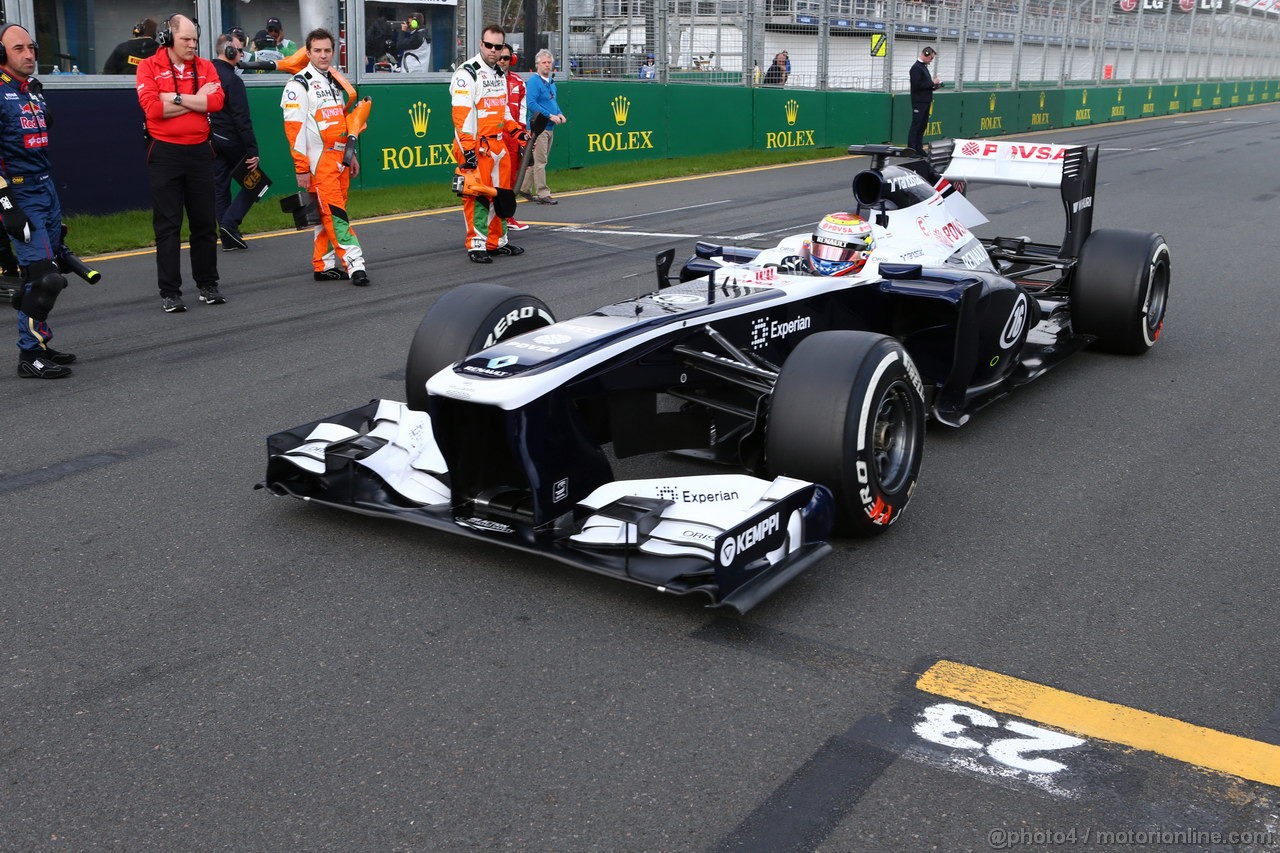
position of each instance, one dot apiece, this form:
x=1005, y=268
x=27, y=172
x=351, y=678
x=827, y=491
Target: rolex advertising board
x=410, y=137
x=1084, y=106
x=612, y=123
x=789, y=118
x=988, y=113
x=1039, y=109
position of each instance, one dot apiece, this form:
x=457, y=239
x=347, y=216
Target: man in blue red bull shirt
x=29, y=208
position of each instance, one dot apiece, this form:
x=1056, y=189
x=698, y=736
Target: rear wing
x=1071, y=168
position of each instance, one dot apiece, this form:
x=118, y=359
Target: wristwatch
x=177, y=97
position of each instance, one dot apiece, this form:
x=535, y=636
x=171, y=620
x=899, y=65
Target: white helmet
x=840, y=245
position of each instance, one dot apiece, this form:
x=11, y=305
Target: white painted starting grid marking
x=665, y=212
x=623, y=232
x=1006, y=752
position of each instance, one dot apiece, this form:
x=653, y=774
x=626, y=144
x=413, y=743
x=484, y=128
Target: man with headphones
x=125, y=58
x=29, y=208
x=177, y=91
x=231, y=129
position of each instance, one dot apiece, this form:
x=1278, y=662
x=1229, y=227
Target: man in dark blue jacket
x=922, y=85
x=231, y=131
x=29, y=206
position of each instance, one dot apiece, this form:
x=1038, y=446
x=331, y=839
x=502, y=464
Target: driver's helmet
x=840, y=245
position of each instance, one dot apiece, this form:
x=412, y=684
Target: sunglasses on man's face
x=504, y=59
x=497, y=46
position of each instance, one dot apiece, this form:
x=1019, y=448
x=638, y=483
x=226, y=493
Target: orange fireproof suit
x=480, y=115
x=315, y=123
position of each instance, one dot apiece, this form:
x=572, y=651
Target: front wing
x=734, y=538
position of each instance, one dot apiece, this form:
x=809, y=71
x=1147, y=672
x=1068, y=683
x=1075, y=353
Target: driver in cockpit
x=840, y=245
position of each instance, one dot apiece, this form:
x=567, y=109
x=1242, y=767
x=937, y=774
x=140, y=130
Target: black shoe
x=210, y=295
x=527, y=196
x=32, y=364
x=506, y=250
x=360, y=278
x=173, y=304
x=59, y=357
x=331, y=274
x=231, y=239
x=545, y=199
x=480, y=257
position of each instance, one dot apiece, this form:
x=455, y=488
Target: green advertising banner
x=1234, y=94
x=858, y=118
x=1215, y=96
x=1084, y=106
x=611, y=123
x=988, y=113
x=1149, y=101
x=1039, y=110
x=409, y=139
x=708, y=120
x=944, y=117
x=786, y=118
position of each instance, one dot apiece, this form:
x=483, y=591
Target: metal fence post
x=1016, y=73
x=824, y=45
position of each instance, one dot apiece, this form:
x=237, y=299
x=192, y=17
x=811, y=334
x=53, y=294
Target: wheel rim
x=1157, y=294
x=894, y=436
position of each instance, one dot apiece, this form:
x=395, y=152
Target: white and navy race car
x=815, y=388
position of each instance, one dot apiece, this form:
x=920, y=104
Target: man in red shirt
x=177, y=90
x=515, y=103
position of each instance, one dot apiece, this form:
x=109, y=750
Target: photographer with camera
x=413, y=47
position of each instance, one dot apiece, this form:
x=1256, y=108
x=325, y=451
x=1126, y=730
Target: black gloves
x=470, y=160
x=522, y=136
x=15, y=221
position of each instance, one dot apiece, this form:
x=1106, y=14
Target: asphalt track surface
x=189, y=664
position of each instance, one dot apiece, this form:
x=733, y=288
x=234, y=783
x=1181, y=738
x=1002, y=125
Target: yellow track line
x=1214, y=750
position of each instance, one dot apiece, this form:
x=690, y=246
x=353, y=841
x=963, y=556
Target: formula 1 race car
x=816, y=386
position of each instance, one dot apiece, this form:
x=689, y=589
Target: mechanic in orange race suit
x=485, y=169
x=315, y=123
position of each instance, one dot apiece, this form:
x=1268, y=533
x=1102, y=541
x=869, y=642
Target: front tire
x=467, y=319
x=1121, y=289
x=848, y=412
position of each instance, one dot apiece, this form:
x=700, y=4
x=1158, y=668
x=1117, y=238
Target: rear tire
x=1121, y=289
x=848, y=412
x=467, y=319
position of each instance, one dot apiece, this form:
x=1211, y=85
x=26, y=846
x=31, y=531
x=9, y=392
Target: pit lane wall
x=410, y=133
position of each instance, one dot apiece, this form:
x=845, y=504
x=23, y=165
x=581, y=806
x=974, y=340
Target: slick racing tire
x=848, y=412
x=1121, y=289
x=467, y=319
